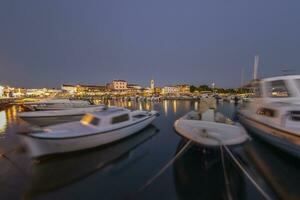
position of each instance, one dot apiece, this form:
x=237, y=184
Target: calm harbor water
x=120, y=170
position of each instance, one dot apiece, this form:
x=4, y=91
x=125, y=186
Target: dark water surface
x=120, y=170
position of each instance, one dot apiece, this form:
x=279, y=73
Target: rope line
x=182, y=150
x=262, y=192
x=227, y=184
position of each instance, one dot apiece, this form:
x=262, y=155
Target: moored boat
x=274, y=114
x=94, y=129
x=51, y=117
x=210, y=129
x=58, y=104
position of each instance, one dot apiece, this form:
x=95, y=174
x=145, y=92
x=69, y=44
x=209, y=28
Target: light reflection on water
x=196, y=174
x=3, y=122
x=8, y=116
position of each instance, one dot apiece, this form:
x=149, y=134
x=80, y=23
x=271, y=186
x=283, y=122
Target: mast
x=256, y=59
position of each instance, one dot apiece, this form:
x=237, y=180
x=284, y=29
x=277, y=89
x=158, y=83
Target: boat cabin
x=280, y=89
x=278, y=101
x=112, y=116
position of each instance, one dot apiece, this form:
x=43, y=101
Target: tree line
x=206, y=88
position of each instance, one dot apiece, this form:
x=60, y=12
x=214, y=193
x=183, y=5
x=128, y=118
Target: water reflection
x=174, y=106
x=67, y=169
x=280, y=171
x=3, y=122
x=199, y=174
x=196, y=175
x=196, y=105
x=165, y=106
x=8, y=116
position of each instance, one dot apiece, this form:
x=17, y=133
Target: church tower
x=152, y=87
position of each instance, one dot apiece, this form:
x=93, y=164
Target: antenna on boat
x=255, y=67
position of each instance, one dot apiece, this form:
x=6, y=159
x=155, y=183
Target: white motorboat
x=51, y=117
x=210, y=129
x=65, y=170
x=58, y=104
x=94, y=129
x=274, y=114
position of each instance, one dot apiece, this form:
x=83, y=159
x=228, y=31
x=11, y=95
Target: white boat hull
x=47, y=118
x=281, y=139
x=38, y=147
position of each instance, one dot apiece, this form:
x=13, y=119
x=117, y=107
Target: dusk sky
x=47, y=43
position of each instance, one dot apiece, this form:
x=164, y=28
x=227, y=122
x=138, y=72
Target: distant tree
x=193, y=89
x=204, y=88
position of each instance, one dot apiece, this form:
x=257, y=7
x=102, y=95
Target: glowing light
x=3, y=122
x=165, y=105
x=147, y=106
x=140, y=106
x=196, y=105
x=175, y=106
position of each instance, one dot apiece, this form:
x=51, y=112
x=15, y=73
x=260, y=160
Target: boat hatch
x=295, y=115
x=120, y=118
x=89, y=119
x=266, y=112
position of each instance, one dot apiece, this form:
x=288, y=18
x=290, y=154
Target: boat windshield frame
x=91, y=120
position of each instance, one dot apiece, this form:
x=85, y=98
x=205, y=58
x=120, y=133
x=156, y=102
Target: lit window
x=90, y=120
x=120, y=118
x=277, y=89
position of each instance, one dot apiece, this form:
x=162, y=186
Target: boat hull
x=280, y=139
x=39, y=147
x=47, y=118
x=47, y=121
x=211, y=134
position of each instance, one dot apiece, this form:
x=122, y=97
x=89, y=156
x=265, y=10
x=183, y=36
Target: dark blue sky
x=46, y=43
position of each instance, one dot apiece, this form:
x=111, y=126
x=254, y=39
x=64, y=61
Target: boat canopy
x=280, y=88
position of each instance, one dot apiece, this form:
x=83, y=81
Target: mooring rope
x=186, y=146
x=182, y=150
x=262, y=192
x=227, y=184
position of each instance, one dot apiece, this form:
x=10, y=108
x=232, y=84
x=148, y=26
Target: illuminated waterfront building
x=134, y=89
x=90, y=90
x=170, y=90
x=118, y=85
x=71, y=89
x=1, y=91
x=183, y=89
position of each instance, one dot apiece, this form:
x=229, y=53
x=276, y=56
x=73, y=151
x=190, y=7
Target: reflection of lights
x=175, y=106
x=3, y=122
x=140, y=106
x=147, y=106
x=11, y=114
x=165, y=105
x=196, y=105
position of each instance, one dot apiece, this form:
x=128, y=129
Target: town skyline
x=44, y=44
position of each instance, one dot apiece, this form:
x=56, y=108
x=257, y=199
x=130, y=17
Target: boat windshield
x=277, y=89
x=298, y=84
x=90, y=120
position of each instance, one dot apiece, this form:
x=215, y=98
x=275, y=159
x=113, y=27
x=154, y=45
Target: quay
x=4, y=102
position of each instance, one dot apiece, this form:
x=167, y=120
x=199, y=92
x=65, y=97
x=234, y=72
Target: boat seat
x=208, y=115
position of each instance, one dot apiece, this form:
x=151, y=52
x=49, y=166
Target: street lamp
x=213, y=87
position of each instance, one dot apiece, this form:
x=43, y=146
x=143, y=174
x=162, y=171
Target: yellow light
x=196, y=105
x=165, y=105
x=3, y=122
x=175, y=106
